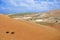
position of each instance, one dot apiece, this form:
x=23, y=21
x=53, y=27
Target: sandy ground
x=11, y=29
x=56, y=26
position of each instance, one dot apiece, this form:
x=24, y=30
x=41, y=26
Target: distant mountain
x=52, y=16
x=55, y=13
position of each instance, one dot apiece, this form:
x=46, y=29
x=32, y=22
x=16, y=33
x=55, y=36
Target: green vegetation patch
x=44, y=23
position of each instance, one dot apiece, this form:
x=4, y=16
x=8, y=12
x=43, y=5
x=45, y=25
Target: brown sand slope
x=56, y=26
x=11, y=29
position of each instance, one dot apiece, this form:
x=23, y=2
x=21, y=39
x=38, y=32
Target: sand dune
x=11, y=29
x=56, y=26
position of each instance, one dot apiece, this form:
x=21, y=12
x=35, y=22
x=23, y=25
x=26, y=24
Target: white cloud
x=30, y=1
x=34, y=6
x=13, y=2
x=30, y=4
x=23, y=4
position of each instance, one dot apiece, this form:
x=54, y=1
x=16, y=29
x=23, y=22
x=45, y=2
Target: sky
x=20, y=6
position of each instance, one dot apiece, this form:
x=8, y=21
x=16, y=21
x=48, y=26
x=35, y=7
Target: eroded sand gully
x=25, y=30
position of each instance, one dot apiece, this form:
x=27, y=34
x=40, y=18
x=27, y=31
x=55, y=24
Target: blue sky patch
x=18, y=6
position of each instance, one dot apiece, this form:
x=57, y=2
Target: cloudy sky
x=18, y=6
